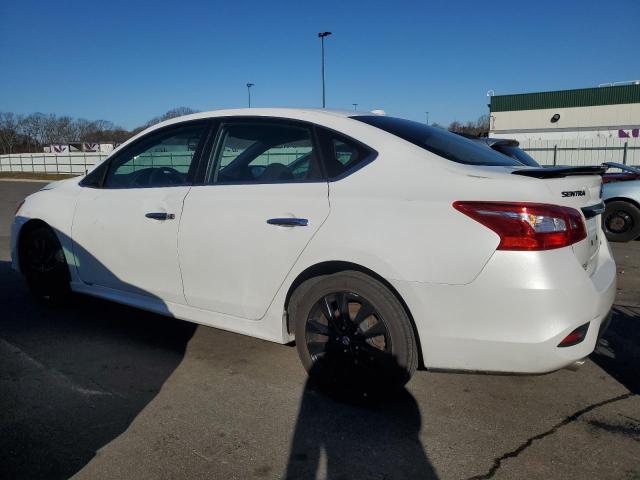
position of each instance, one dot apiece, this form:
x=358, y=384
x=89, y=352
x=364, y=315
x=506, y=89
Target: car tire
x=43, y=265
x=352, y=333
x=621, y=221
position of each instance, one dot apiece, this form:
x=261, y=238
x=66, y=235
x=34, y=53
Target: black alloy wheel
x=345, y=330
x=43, y=264
x=353, y=334
x=621, y=221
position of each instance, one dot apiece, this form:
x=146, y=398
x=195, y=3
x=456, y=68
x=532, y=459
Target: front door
x=125, y=229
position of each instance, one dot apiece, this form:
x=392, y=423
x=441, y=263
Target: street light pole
x=249, y=85
x=355, y=106
x=322, y=35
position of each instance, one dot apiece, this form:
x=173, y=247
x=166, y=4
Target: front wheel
x=352, y=333
x=43, y=264
x=621, y=221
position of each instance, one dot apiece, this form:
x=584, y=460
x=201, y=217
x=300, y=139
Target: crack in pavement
x=497, y=462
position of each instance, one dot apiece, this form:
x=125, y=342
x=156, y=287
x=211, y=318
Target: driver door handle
x=160, y=216
x=289, y=222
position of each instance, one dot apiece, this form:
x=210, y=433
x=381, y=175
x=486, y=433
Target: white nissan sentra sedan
x=377, y=244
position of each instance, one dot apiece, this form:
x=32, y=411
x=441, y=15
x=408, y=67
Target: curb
x=26, y=180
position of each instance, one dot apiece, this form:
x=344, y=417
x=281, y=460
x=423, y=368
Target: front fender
x=54, y=207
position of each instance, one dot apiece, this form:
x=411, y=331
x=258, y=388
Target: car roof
x=293, y=113
x=308, y=114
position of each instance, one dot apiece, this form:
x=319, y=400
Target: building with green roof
x=607, y=111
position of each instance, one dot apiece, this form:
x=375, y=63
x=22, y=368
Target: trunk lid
x=582, y=192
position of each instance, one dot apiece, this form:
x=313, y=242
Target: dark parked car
x=507, y=147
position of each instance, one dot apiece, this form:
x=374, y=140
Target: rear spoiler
x=559, y=172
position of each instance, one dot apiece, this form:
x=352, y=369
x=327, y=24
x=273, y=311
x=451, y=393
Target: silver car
x=621, y=194
x=506, y=146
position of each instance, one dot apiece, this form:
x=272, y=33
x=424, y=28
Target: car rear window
x=436, y=140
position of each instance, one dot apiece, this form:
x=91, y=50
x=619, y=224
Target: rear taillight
x=527, y=226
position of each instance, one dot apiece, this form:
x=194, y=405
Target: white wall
x=560, y=135
x=49, y=162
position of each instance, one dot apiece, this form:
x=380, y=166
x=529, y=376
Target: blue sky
x=128, y=61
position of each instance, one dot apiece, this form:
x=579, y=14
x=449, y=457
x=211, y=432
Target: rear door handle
x=289, y=222
x=160, y=216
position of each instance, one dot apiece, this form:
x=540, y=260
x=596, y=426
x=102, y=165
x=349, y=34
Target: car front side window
x=165, y=159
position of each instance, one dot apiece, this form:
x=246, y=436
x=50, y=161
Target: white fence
x=584, y=151
x=50, y=162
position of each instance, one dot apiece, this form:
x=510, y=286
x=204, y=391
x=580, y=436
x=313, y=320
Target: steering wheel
x=166, y=176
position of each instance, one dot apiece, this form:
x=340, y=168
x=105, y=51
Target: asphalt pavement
x=99, y=390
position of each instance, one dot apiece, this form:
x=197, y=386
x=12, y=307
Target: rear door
x=263, y=198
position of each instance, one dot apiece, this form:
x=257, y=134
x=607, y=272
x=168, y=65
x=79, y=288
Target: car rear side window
x=441, y=142
x=342, y=155
x=265, y=152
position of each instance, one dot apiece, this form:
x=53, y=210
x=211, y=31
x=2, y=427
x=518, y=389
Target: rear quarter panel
x=395, y=216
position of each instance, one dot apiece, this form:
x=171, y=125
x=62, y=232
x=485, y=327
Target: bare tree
x=174, y=112
x=49, y=128
x=64, y=130
x=455, y=126
x=479, y=128
x=103, y=126
x=37, y=122
x=482, y=124
x=32, y=130
x=83, y=128
x=9, y=130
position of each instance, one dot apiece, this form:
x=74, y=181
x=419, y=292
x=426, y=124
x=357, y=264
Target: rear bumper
x=514, y=314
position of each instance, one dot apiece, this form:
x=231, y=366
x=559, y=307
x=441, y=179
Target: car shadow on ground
x=618, y=351
x=73, y=377
x=357, y=429
x=77, y=375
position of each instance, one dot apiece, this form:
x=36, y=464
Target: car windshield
x=441, y=142
x=518, y=154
